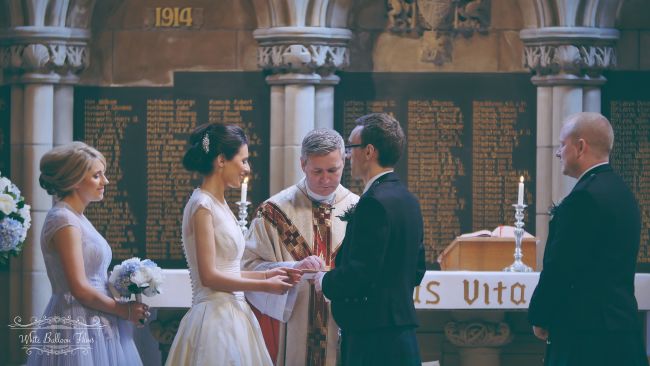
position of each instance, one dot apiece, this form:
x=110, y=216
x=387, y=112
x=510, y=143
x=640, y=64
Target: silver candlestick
x=243, y=213
x=518, y=265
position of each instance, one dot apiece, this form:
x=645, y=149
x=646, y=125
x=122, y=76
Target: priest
x=302, y=227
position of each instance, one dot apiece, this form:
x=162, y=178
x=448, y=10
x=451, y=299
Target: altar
x=439, y=290
x=466, y=317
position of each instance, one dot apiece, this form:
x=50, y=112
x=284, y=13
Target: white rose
x=141, y=278
x=149, y=291
x=115, y=273
x=13, y=189
x=7, y=204
x=4, y=183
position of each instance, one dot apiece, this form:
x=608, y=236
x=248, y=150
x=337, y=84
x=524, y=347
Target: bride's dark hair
x=209, y=141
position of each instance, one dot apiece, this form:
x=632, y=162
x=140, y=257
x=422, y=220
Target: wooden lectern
x=485, y=254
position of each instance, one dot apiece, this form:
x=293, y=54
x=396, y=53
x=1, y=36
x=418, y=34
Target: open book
x=502, y=231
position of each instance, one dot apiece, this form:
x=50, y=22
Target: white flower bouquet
x=135, y=276
x=15, y=220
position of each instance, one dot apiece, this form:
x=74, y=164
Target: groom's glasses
x=348, y=149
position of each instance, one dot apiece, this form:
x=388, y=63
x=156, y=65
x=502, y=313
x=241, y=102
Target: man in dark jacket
x=584, y=305
x=381, y=259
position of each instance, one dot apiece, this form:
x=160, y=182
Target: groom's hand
x=318, y=284
x=540, y=333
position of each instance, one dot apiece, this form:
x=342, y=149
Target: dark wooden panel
x=470, y=137
x=143, y=133
x=626, y=102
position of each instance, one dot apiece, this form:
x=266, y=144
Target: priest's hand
x=294, y=275
x=311, y=262
x=540, y=333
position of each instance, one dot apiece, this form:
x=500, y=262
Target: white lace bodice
x=228, y=238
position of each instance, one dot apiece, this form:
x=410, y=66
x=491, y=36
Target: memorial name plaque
x=469, y=139
x=626, y=102
x=143, y=134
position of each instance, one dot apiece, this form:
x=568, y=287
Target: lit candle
x=520, y=195
x=244, y=190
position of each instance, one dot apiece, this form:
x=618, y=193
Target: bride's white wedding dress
x=219, y=328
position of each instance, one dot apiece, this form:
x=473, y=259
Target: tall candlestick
x=244, y=190
x=520, y=195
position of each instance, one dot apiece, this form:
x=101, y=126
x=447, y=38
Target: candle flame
x=521, y=179
x=246, y=180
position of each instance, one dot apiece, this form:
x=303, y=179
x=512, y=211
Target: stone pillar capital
x=304, y=50
x=33, y=54
x=478, y=334
x=569, y=55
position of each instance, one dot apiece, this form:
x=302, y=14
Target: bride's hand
x=278, y=284
x=293, y=274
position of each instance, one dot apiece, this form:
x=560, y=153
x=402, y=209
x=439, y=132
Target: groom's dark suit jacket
x=380, y=262
x=587, y=282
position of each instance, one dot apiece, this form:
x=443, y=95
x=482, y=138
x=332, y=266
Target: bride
x=219, y=328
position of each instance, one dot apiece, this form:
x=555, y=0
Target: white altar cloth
x=439, y=290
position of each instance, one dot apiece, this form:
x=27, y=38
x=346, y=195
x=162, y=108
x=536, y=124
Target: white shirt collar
x=590, y=169
x=373, y=179
x=329, y=199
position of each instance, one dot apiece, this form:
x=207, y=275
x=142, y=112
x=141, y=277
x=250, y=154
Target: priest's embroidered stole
x=317, y=332
x=299, y=249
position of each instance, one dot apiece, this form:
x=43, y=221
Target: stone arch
x=52, y=13
x=580, y=13
x=310, y=13
x=45, y=41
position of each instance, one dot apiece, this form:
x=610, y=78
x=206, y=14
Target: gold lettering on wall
x=631, y=158
x=174, y=17
x=494, y=178
x=435, y=130
x=169, y=121
x=105, y=123
x=467, y=145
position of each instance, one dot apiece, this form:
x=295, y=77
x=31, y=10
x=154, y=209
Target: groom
x=381, y=259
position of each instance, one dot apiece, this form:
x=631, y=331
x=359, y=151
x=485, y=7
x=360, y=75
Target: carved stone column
x=478, y=342
x=303, y=61
x=568, y=63
x=41, y=55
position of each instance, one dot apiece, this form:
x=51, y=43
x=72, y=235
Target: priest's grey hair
x=321, y=141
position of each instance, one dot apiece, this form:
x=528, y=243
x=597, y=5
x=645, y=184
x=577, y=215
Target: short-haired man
x=584, y=305
x=301, y=227
x=381, y=259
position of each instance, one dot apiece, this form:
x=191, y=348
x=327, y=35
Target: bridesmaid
x=77, y=259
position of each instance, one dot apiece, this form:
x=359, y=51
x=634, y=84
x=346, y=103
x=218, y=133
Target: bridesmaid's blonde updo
x=65, y=166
